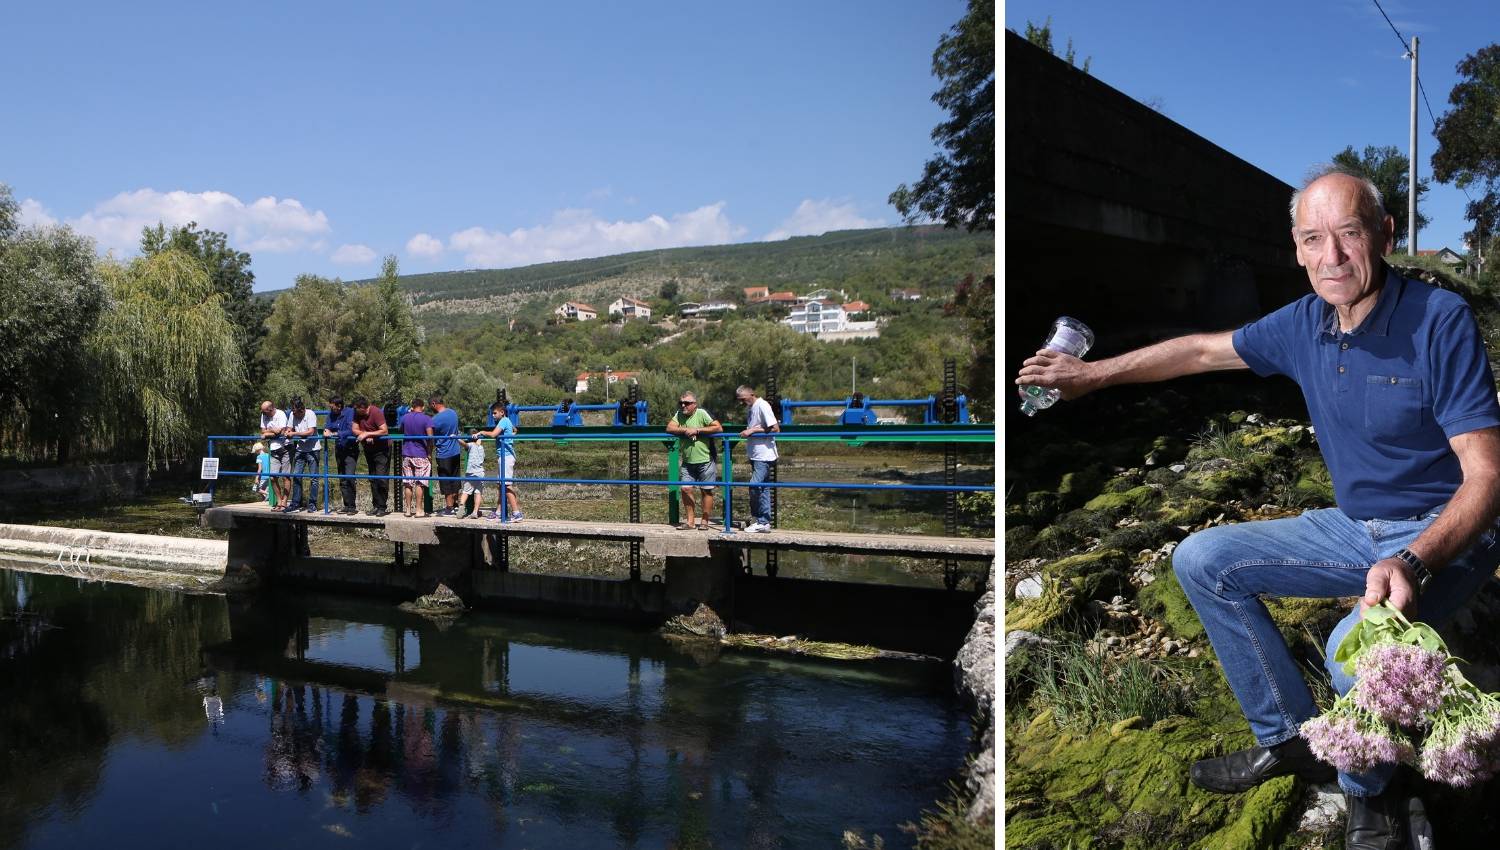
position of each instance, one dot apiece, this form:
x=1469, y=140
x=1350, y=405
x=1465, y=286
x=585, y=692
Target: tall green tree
x=1468, y=135
x=975, y=302
x=957, y=186
x=397, y=352
x=52, y=300
x=229, y=272
x=1386, y=167
x=167, y=354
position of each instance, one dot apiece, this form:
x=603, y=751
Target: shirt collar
x=1379, y=320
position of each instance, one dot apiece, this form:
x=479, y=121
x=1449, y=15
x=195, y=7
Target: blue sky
x=322, y=136
x=1284, y=85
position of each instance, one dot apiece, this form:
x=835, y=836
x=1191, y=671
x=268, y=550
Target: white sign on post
x=210, y=469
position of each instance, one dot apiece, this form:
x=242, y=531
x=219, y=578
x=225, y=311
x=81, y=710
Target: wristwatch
x=1418, y=568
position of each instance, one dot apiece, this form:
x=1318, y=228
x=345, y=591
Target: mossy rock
x=1314, y=486
x=1163, y=476
x=1124, y=481
x=1278, y=440
x=1164, y=600
x=1146, y=535
x=1041, y=506
x=1080, y=485
x=1067, y=584
x=1190, y=511
x=1131, y=790
x=1165, y=450
x=1020, y=542
x=1133, y=500
x=1221, y=485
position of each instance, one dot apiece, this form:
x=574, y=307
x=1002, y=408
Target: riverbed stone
x=702, y=623
x=974, y=679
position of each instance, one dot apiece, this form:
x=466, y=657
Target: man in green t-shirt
x=692, y=425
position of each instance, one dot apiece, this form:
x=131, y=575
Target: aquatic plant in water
x=1409, y=689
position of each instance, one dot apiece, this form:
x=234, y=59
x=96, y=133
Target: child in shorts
x=262, y=468
x=473, y=477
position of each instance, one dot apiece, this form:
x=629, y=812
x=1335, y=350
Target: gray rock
x=974, y=676
x=1029, y=588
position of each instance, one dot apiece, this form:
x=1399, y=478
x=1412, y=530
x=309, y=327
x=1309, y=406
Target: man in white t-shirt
x=305, y=445
x=273, y=430
x=760, y=424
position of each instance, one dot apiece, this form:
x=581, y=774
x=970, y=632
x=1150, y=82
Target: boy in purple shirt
x=416, y=455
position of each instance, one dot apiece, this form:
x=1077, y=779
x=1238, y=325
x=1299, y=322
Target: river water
x=148, y=718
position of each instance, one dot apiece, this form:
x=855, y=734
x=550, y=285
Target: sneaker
x=518, y=517
x=446, y=512
x=759, y=527
x=381, y=512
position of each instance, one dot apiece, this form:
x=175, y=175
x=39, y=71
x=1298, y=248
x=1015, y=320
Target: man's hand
x=1063, y=372
x=1390, y=579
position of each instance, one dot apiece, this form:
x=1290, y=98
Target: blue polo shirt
x=1384, y=398
x=445, y=427
x=342, y=424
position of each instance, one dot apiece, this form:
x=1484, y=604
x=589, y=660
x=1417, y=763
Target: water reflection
x=305, y=719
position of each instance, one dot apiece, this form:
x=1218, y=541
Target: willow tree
x=170, y=364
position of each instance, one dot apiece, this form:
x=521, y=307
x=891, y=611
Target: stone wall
x=974, y=677
x=83, y=548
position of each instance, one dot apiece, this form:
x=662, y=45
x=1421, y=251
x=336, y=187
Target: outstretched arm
x=1173, y=358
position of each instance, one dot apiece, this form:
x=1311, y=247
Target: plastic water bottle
x=1069, y=336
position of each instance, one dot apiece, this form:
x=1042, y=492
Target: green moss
x=1066, y=585
x=1164, y=600
x=1191, y=510
x=1146, y=535
x=1131, y=790
x=1166, y=450
x=1271, y=439
x=1314, y=486
x=1081, y=485
x=1221, y=485
x=1133, y=499
x=1041, y=506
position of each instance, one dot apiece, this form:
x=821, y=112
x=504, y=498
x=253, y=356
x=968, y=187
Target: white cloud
x=353, y=254
x=33, y=214
x=574, y=234
x=265, y=224
x=812, y=218
x=424, y=245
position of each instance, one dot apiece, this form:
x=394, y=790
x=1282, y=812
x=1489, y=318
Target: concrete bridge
x=470, y=557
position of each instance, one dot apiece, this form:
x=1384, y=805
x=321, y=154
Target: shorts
x=473, y=484
x=448, y=467
x=281, y=461
x=701, y=474
x=415, y=470
x=507, y=467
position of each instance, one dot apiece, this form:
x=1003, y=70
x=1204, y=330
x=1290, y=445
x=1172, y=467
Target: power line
x=1399, y=37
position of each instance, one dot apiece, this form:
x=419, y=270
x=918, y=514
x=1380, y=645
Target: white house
x=630, y=308
x=689, y=309
x=577, y=311
x=816, y=317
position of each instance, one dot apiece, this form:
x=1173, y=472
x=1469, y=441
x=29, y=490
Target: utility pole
x=1411, y=162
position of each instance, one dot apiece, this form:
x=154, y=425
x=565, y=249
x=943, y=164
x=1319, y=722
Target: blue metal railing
x=727, y=482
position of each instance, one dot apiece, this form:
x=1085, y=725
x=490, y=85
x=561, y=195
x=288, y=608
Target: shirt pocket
x=1393, y=405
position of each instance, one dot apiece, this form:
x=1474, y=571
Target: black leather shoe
x=1378, y=822
x=1246, y=769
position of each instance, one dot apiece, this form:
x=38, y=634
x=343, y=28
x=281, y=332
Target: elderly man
x=273, y=429
x=760, y=446
x=306, y=448
x=689, y=424
x=1401, y=395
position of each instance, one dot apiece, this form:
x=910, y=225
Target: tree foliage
x=1041, y=36
x=167, y=354
x=53, y=298
x=1468, y=151
x=957, y=187
x=974, y=301
x=229, y=272
x=326, y=338
x=1387, y=168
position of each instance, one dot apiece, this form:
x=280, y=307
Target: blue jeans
x=1227, y=569
x=305, y=463
x=760, y=497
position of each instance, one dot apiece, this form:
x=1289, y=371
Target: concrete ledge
x=106, y=548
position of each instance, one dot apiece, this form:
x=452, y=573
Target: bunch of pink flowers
x=1410, y=704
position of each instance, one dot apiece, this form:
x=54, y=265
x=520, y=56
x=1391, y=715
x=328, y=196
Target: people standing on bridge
x=1402, y=398
x=306, y=448
x=262, y=469
x=370, y=431
x=416, y=456
x=473, y=483
x=760, y=446
x=449, y=454
x=502, y=430
x=273, y=429
x=340, y=427
x=693, y=425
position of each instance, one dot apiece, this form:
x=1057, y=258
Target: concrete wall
x=83, y=547
x=1119, y=216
